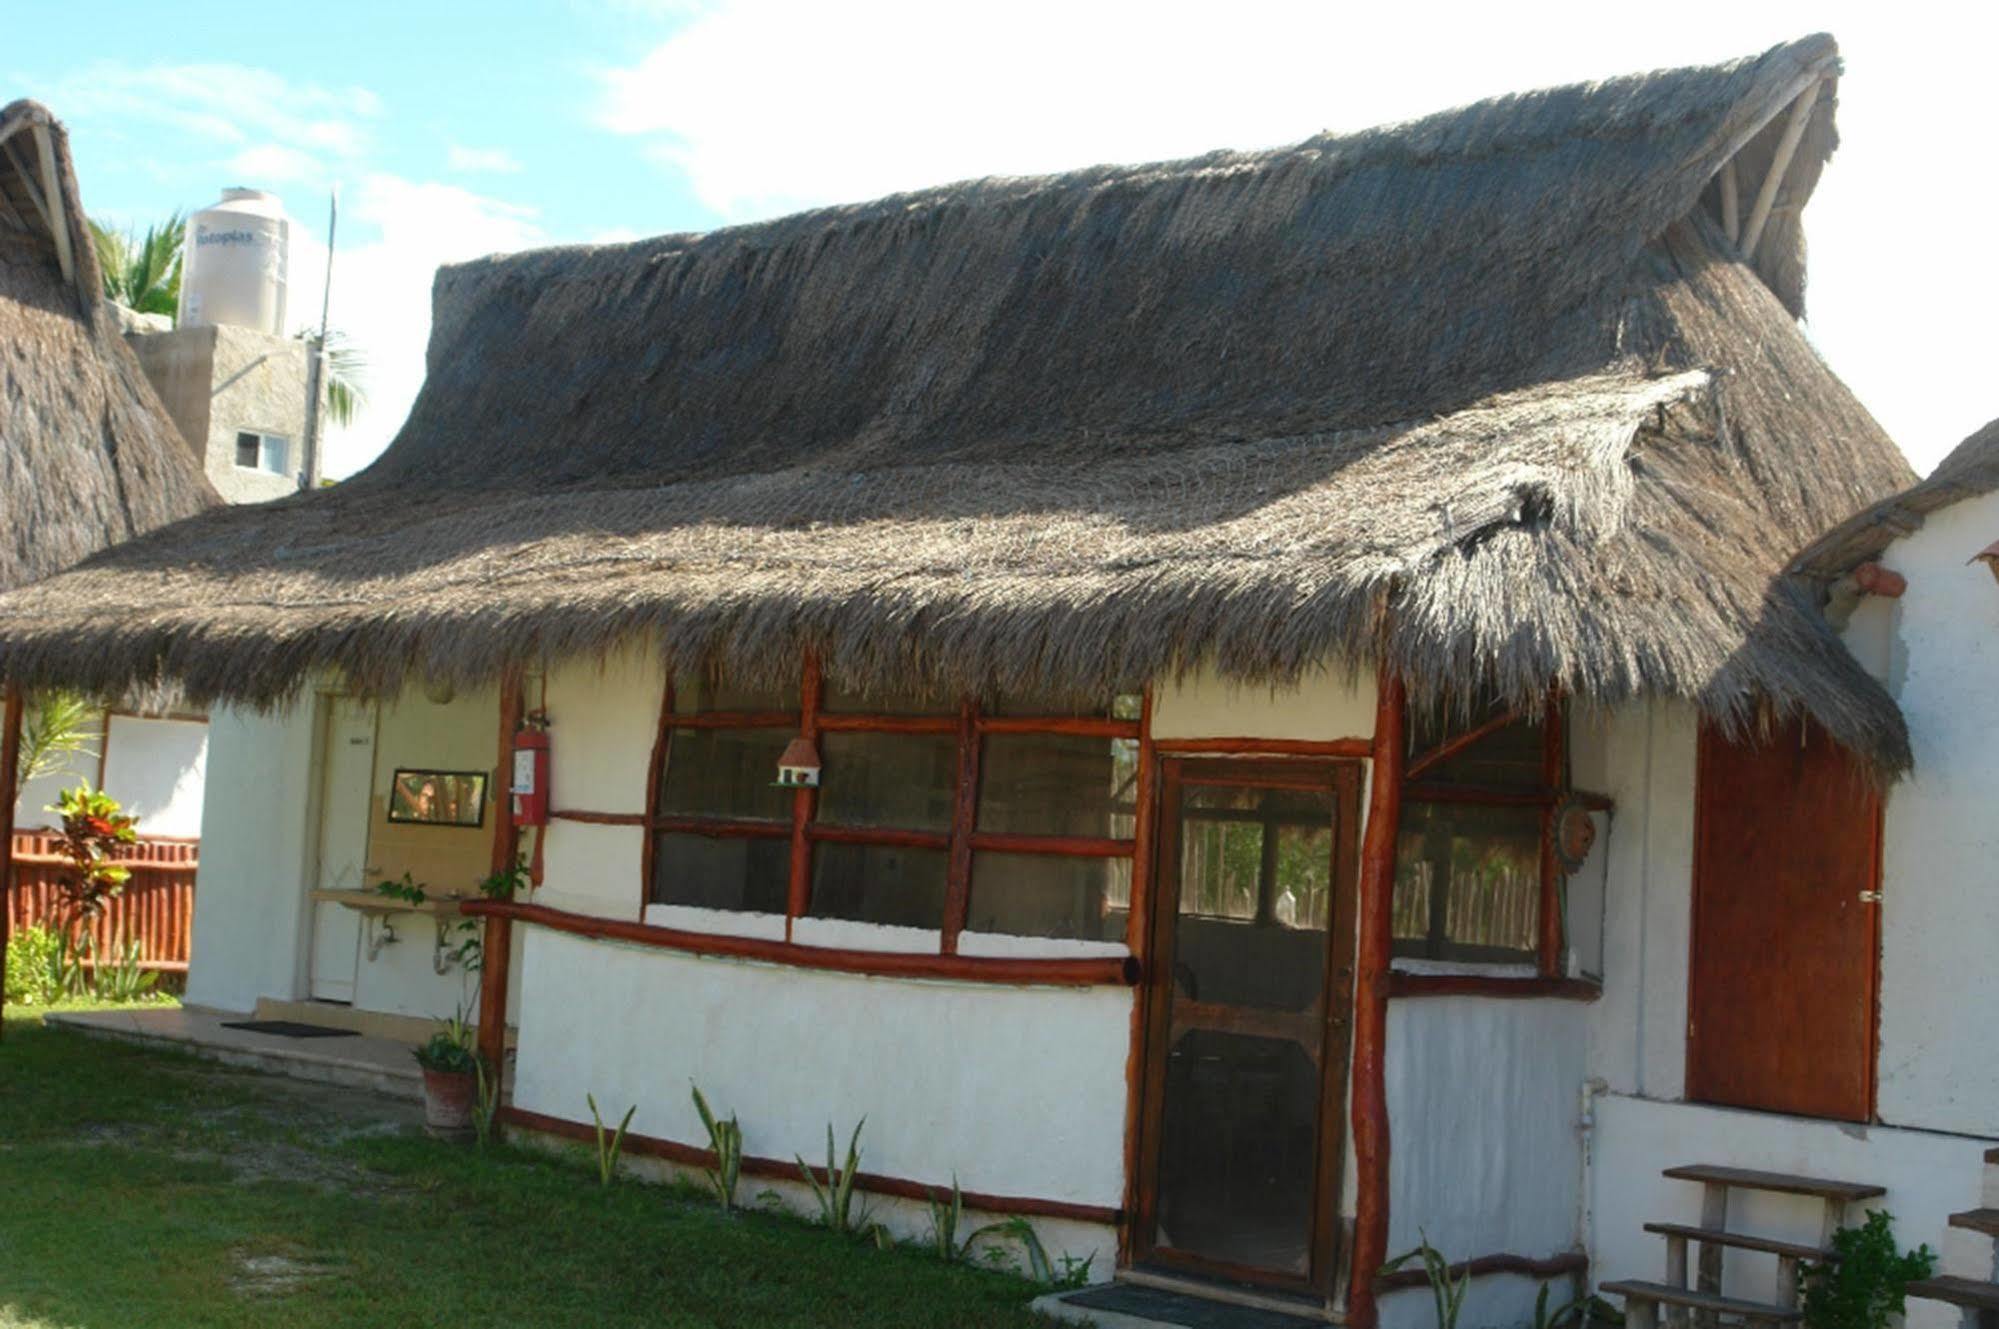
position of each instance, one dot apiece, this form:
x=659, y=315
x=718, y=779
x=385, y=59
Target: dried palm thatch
x=1491, y=393
x=88, y=455
x=1970, y=471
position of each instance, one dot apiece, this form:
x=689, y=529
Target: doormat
x=1151, y=1303
x=290, y=1029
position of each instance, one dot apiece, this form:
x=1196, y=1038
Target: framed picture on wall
x=438, y=798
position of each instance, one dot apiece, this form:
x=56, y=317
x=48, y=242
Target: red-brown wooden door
x=1782, y=984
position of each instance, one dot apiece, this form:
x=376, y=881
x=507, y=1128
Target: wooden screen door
x=1248, y=1017
x=1782, y=980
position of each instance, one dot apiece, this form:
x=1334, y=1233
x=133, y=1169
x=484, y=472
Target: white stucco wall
x=157, y=769
x=1938, y=649
x=1928, y=1176
x=1326, y=705
x=1485, y=1154
x=1016, y=1091
x=256, y=832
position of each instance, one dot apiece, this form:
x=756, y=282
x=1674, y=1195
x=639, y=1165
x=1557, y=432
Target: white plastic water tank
x=237, y=263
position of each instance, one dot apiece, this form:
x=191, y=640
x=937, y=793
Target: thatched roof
x=1497, y=371
x=1970, y=471
x=88, y=455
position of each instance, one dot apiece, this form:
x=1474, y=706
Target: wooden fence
x=156, y=906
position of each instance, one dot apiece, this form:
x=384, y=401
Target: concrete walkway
x=360, y=1061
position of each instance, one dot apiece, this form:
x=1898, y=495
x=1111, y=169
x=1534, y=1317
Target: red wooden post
x=1554, y=769
x=10, y=758
x=496, y=958
x=799, y=894
x=1371, y=980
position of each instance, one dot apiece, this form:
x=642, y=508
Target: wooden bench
x=1642, y=1301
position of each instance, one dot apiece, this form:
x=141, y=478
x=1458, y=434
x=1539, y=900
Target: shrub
x=34, y=975
x=1864, y=1287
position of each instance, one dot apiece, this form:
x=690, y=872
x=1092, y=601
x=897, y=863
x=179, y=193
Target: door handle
x=1870, y=897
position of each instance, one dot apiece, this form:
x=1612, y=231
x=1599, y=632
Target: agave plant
x=836, y=1197
x=725, y=1138
x=609, y=1144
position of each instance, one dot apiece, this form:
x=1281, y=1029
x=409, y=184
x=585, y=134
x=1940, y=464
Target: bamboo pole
x=1766, y=197
x=1731, y=202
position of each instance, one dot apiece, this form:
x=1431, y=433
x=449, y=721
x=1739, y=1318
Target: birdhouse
x=798, y=768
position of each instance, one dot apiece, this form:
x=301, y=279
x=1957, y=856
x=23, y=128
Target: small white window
x=263, y=452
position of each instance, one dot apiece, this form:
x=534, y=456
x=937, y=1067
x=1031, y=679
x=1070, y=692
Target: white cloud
x=461, y=158
x=271, y=163
x=869, y=97
x=226, y=104
x=381, y=288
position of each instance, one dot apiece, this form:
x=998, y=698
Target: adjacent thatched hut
x=938, y=651
x=88, y=456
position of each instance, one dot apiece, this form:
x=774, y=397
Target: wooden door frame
x=1344, y=778
x=1877, y=809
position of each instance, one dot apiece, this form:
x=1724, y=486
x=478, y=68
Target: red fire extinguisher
x=530, y=781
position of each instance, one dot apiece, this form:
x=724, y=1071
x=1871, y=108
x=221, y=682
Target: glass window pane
x=725, y=773
x=692, y=695
x=247, y=450
x=722, y=872
x=1468, y=882
x=1034, y=895
x=277, y=454
x=872, y=883
x=1252, y=854
x=900, y=780
x=1057, y=784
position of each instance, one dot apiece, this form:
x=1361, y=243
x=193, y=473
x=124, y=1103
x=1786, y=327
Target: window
x=1474, y=867
x=892, y=835
x=263, y=452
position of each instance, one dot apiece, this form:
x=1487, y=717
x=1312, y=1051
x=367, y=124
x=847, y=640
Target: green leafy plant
x=61, y=725
x=404, y=888
x=1864, y=1287
x=609, y=1147
x=946, y=1217
x=70, y=964
x=487, y=1106
x=725, y=1138
x=1580, y=1311
x=450, y=1050
x=33, y=967
x=1447, y=1292
x=143, y=274
x=93, y=827
x=508, y=882
x=836, y=1197
x=125, y=978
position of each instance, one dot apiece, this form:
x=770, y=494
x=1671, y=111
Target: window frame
x=1546, y=794
x=968, y=727
x=264, y=439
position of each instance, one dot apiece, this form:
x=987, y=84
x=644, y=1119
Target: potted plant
x=450, y=1078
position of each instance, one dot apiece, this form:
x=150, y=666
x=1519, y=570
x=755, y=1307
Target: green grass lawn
x=142, y=1189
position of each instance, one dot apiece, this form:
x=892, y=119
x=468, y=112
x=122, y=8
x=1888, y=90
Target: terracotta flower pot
x=449, y=1098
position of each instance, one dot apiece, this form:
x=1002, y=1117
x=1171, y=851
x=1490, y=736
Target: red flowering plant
x=93, y=826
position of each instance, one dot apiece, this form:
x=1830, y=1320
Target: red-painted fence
x=156, y=906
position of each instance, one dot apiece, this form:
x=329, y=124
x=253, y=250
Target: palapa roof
x=88, y=454
x=1489, y=392
x=1970, y=471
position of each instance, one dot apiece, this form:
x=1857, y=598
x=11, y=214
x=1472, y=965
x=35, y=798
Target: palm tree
x=143, y=274
x=61, y=725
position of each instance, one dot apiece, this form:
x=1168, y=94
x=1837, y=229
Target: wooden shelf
x=374, y=902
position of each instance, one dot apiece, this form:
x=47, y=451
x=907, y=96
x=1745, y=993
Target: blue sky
x=455, y=130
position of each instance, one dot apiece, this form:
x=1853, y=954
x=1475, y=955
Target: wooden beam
x=1787, y=146
x=58, y=213
x=1267, y=747
x=1731, y=203
x=1451, y=747
x=10, y=759
x=1137, y=939
x=1554, y=772
x=964, y=817
x=1371, y=986
x=804, y=802
x=1571, y=1264
x=27, y=183
x=497, y=950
